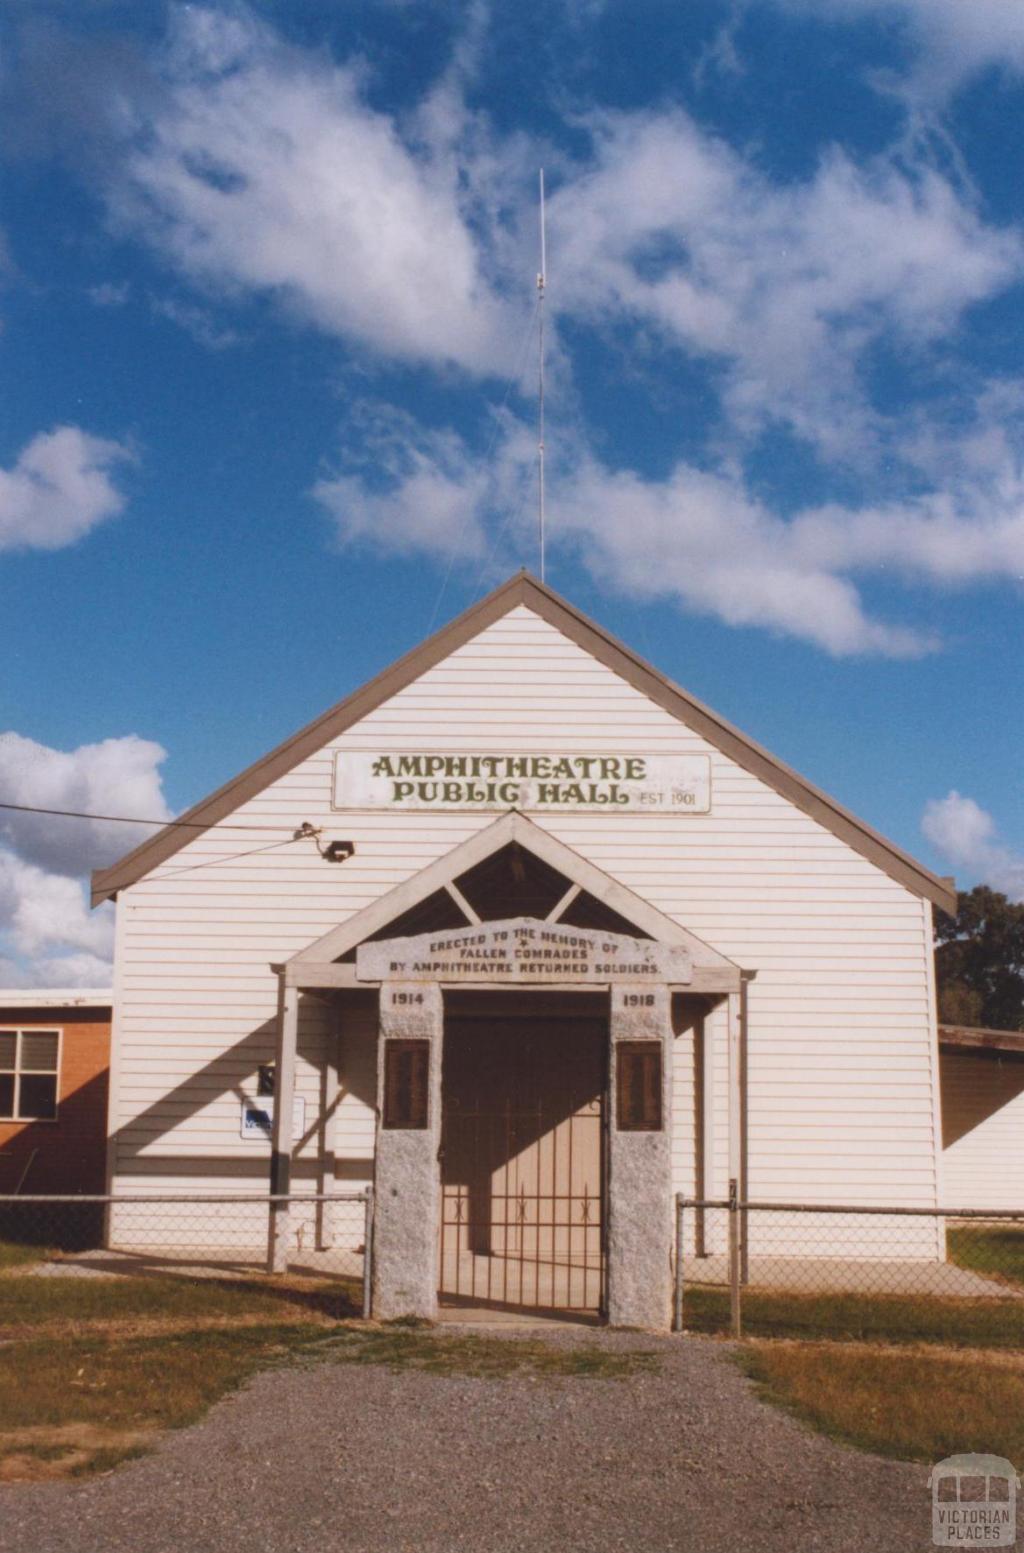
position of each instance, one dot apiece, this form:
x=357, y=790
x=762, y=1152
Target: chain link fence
x=327, y=1236
x=770, y=1269
x=800, y=1269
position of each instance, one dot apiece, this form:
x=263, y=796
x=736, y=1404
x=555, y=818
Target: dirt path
x=368, y=1460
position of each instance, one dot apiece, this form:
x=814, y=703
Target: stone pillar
x=640, y=1173
x=407, y=1189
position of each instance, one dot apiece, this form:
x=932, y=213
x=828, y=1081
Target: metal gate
x=523, y=1163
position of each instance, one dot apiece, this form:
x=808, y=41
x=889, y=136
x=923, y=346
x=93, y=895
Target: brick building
x=54, y=1080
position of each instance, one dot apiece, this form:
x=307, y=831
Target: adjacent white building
x=523, y=904
x=982, y=1118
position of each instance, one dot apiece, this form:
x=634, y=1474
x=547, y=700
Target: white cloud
x=432, y=507
x=953, y=39
x=260, y=168
x=41, y=912
x=58, y=489
x=786, y=285
x=701, y=539
x=932, y=539
x=196, y=321
x=109, y=293
x=48, y=935
x=721, y=56
x=699, y=536
x=263, y=169
x=426, y=492
x=696, y=537
x=965, y=833
x=115, y=776
x=57, y=970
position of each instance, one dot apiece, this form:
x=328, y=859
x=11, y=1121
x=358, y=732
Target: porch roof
x=974, y=1039
x=318, y=964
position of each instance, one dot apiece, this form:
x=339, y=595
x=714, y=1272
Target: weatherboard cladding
x=842, y=1039
x=549, y=606
x=983, y=1124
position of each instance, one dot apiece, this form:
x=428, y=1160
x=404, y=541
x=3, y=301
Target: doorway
x=524, y=1082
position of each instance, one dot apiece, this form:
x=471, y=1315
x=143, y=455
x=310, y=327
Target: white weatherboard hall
x=544, y=941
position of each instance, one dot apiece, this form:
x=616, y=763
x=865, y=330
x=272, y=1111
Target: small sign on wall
x=258, y=1118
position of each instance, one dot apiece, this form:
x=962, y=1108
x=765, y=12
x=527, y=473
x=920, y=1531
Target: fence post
x=677, y=1308
x=735, y=1319
x=282, y=1136
x=368, y=1254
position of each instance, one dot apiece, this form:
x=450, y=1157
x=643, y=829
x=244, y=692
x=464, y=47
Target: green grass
x=918, y=1406
x=989, y=1248
x=14, y=1254
x=141, y=1382
x=27, y=1300
x=84, y=1385
x=438, y=1353
x=975, y=1323
x=87, y=1403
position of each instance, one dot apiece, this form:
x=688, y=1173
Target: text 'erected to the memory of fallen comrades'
x=522, y=950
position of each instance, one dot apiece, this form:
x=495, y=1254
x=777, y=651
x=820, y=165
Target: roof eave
x=106, y=882
x=622, y=660
x=969, y=1038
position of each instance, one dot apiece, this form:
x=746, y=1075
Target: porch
x=526, y=1008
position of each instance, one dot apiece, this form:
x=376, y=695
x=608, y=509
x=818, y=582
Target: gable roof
x=524, y=589
x=513, y=827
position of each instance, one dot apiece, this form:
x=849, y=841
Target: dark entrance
x=524, y=1081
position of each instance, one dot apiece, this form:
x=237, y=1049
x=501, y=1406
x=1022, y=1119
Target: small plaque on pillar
x=638, y=1086
x=406, y=1084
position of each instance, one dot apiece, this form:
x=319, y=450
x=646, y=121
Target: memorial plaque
x=523, y=951
x=406, y=1084
x=549, y=781
x=638, y=1086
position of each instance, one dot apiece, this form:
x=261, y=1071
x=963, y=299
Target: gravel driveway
x=367, y=1460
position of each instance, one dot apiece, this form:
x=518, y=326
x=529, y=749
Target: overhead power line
x=228, y=857
x=302, y=833
x=134, y=819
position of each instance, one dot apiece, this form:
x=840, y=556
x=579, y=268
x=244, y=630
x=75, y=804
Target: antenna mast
x=541, y=282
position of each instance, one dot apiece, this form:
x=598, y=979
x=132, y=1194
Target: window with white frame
x=29, y=1067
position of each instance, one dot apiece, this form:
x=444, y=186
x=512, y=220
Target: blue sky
x=268, y=409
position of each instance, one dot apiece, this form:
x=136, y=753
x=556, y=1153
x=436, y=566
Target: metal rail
x=790, y=1207
x=23, y=1200
x=183, y=1197
x=739, y=1211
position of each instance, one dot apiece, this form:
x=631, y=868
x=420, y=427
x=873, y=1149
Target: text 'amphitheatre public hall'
x=553, y=943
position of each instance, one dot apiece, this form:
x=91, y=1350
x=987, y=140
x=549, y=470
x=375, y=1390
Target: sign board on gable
x=549, y=781
x=258, y=1118
x=523, y=951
